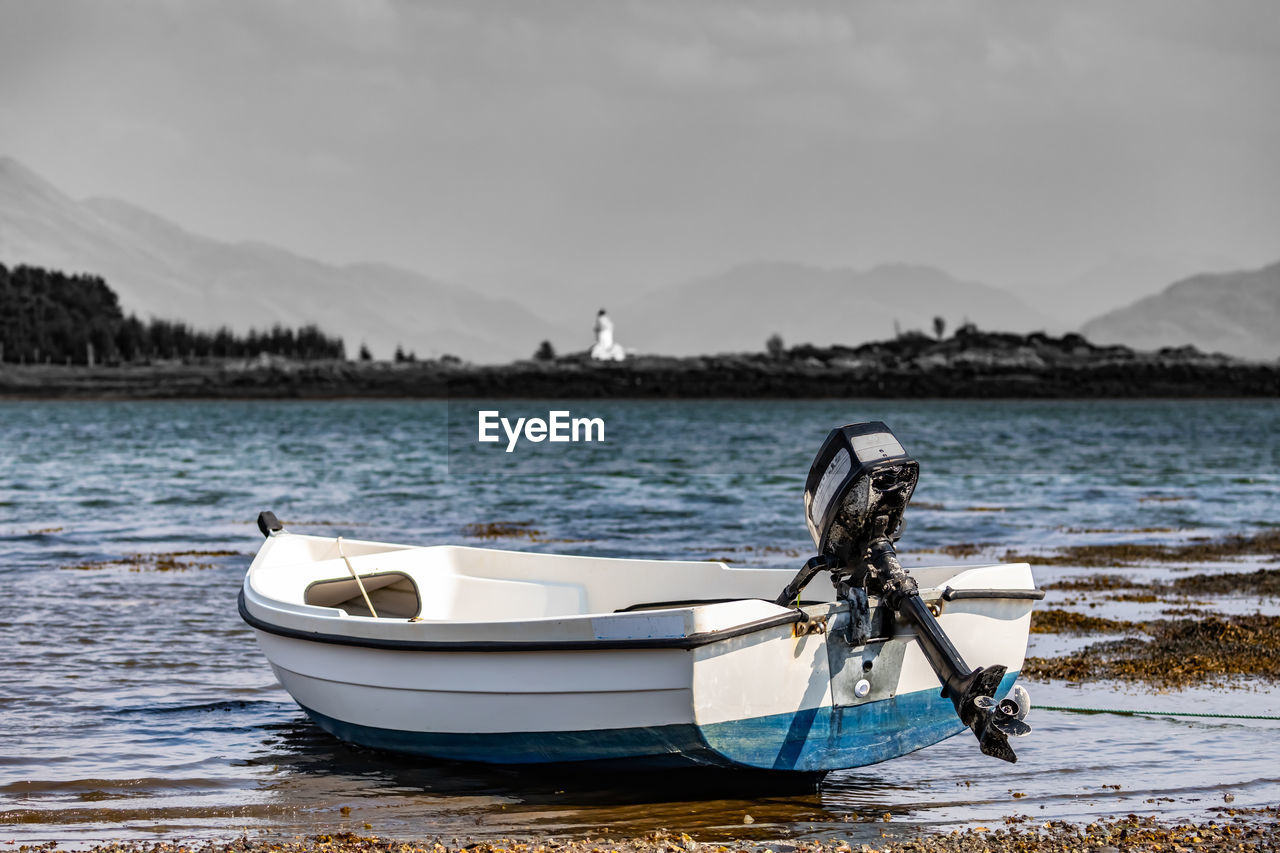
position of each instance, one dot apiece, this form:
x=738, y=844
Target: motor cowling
x=861, y=474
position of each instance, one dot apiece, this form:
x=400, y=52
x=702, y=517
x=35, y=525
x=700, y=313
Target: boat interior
x=449, y=583
x=454, y=583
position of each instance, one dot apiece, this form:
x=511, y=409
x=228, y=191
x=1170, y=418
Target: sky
x=623, y=145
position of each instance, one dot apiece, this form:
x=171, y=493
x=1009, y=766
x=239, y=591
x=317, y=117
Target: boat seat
x=448, y=597
x=393, y=595
x=472, y=599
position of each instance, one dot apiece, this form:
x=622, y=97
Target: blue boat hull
x=811, y=741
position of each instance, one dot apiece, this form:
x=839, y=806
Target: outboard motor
x=858, y=488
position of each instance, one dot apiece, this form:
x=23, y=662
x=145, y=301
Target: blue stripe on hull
x=656, y=746
x=833, y=738
x=809, y=741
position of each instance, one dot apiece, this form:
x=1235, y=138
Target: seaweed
x=1094, y=583
x=1056, y=621
x=511, y=530
x=1262, y=583
x=501, y=530
x=1265, y=543
x=1204, y=651
x=164, y=561
x=963, y=549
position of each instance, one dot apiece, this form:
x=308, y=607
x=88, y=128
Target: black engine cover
x=861, y=472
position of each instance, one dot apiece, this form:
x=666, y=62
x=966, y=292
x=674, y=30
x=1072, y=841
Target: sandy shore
x=1236, y=830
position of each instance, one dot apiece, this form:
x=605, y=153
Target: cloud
x=641, y=141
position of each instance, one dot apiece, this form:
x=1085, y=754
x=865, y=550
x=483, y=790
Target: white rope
x=359, y=583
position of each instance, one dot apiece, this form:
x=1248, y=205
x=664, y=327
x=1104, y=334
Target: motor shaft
x=971, y=691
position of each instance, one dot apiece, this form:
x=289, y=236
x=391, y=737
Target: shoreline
x=720, y=377
x=1234, y=830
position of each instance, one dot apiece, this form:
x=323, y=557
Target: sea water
x=134, y=702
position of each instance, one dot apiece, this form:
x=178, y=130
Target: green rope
x=1130, y=713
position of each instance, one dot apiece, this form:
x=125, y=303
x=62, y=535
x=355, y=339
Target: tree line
x=50, y=316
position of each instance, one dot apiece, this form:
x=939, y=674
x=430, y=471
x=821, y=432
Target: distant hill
x=1114, y=283
x=1237, y=313
x=159, y=269
x=739, y=309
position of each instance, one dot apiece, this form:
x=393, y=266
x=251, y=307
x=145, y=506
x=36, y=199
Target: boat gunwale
x=688, y=641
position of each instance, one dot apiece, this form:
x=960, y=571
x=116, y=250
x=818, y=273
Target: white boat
x=510, y=657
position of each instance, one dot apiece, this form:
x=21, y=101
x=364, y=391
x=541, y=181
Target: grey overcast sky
x=636, y=143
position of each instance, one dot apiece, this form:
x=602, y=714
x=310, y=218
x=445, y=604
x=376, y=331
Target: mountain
x=739, y=309
x=1236, y=313
x=162, y=270
x=1114, y=283
x=555, y=298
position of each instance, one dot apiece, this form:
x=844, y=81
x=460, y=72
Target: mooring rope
x=359, y=583
x=1133, y=713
